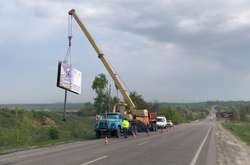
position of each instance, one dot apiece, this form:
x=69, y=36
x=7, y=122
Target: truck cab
x=109, y=124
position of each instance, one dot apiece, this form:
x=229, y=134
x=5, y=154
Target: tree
x=243, y=112
x=99, y=85
x=115, y=100
x=155, y=107
x=172, y=114
x=139, y=101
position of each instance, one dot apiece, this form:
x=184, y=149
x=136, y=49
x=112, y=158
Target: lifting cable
x=67, y=60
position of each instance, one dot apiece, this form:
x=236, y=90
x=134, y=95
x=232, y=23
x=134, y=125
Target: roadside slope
x=230, y=150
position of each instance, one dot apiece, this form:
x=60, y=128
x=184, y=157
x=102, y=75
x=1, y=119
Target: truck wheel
x=118, y=133
x=98, y=134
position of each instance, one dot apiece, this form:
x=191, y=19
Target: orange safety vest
x=146, y=121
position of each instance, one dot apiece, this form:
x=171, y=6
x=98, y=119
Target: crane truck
x=111, y=122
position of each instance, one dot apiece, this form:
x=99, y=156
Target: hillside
x=20, y=128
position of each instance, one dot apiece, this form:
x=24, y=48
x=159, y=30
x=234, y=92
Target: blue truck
x=109, y=124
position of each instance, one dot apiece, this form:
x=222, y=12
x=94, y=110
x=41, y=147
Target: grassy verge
x=24, y=129
x=20, y=129
x=240, y=129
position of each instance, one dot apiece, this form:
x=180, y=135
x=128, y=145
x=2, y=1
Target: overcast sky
x=166, y=50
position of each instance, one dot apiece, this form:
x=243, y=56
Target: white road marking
x=142, y=143
x=95, y=160
x=193, y=162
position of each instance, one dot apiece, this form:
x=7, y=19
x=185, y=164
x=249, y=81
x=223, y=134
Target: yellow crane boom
x=105, y=62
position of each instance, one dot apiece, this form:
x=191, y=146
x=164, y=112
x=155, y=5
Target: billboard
x=69, y=78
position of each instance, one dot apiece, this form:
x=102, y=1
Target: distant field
x=240, y=129
x=20, y=129
x=44, y=107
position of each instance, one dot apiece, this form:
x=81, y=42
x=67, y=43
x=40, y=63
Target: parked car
x=170, y=123
x=161, y=122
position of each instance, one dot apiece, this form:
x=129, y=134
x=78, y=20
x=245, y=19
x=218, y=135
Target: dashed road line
x=142, y=143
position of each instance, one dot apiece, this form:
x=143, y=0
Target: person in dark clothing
x=133, y=126
x=125, y=126
x=146, y=124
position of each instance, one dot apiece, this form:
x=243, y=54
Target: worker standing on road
x=125, y=126
x=146, y=123
x=133, y=126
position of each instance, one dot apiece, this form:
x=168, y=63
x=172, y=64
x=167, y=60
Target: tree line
x=104, y=102
x=241, y=110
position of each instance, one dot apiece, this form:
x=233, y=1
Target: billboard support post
x=64, y=106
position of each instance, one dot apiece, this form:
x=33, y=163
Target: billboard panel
x=69, y=78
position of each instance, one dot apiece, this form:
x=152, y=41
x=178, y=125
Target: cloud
x=167, y=50
x=37, y=20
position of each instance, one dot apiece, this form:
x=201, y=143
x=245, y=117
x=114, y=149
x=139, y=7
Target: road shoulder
x=230, y=150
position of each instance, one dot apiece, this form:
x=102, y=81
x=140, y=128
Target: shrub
x=53, y=133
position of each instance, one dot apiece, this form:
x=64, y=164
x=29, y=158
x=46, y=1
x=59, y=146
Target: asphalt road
x=186, y=144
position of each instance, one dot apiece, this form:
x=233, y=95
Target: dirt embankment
x=230, y=150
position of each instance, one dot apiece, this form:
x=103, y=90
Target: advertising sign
x=69, y=78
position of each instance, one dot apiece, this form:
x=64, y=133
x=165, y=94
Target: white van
x=161, y=122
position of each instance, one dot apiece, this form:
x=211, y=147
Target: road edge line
x=145, y=142
x=95, y=160
x=193, y=162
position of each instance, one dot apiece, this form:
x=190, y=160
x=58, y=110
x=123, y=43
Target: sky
x=166, y=50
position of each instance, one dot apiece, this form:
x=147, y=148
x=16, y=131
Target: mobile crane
x=127, y=109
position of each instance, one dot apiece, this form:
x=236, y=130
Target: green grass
x=22, y=129
x=240, y=129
